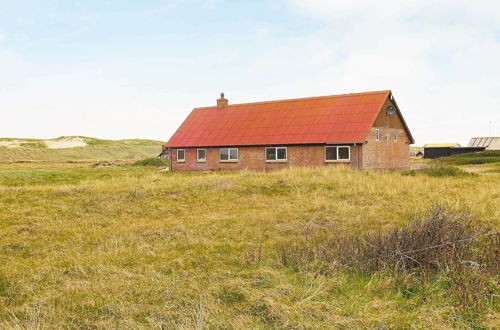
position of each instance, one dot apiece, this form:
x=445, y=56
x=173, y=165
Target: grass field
x=91, y=150
x=137, y=247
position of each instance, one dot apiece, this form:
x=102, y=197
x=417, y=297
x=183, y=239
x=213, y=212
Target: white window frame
x=276, y=152
x=338, y=160
x=201, y=160
x=377, y=134
x=229, y=155
x=396, y=135
x=177, y=154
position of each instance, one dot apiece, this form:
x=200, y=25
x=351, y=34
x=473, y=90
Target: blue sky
x=135, y=69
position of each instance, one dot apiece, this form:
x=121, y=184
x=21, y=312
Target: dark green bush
x=439, y=171
x=153, y=162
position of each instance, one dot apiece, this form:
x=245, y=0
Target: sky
x=119, y=69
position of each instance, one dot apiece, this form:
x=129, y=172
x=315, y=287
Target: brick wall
x=253, y=158
x=386, y=153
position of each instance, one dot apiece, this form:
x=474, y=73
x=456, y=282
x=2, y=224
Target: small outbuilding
x=362, y=130
x=489, y=143
x=436, y=150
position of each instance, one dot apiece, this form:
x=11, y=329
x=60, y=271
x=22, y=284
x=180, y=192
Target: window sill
x=338, y=161
x=180, y=161
x=228, y=161
x=276, y=161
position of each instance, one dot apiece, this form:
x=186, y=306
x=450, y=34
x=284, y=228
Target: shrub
x=433, y=241
x=153, y=162
x=438, y=243
x=439, y=171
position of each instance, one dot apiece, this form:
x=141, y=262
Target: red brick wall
x=386, y=153
x=253, y=158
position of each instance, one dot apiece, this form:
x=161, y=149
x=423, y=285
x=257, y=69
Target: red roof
x=327, y=119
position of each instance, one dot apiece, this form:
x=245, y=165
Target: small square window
x=281, y=153
x=224, y=154
x=343, y=153
x=233, y=154
x=201, y=155
x=330, y=153
x=270, y=153
x=181, y=155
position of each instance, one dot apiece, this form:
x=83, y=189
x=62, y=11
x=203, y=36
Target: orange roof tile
x=343, y=118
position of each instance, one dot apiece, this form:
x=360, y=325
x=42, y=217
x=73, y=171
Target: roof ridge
x=300, y=99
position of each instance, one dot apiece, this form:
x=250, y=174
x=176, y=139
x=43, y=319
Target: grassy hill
x=485, y=161
x=136, y=247
x=76, y=149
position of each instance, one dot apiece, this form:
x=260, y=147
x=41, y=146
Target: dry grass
x=69, y=149
x=131, y=247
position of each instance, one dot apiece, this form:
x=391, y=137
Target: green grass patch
x=134, y=247
x=440, y=171
x=483, y=157
x=153, y=162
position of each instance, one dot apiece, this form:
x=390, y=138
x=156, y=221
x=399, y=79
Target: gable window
x=337, y=153
x=276, y=154
x=396, y=135
x=377, y=134
x=228, y=154
x=201, y=155
x=181, y=155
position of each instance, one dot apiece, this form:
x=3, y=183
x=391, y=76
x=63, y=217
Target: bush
x=154, y=162
x=436, y=244
x=439, y=171
x=434, y=241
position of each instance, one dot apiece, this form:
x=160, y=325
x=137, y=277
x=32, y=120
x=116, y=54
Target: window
x=337, y=153
x=228, y=154
x=201, y=155
x=377, y=134
x=396, y=135
x=181, y=155
x=274, y=154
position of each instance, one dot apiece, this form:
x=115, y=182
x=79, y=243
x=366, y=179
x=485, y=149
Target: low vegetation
x=135, y=247
x=440, y=249
x=76, y=149
x=153, y=162
x=438, y=171
x=473, y=158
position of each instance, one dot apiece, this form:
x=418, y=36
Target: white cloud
x=439, y=57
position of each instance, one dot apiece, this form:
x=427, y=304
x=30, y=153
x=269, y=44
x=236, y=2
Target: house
x=490, y=143
x=416, y=151
x=164, y=154
x=364, y=131
x=442, y=145
x=437, y=150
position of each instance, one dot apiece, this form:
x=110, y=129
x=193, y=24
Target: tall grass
x=438, y=247
x=140, y=248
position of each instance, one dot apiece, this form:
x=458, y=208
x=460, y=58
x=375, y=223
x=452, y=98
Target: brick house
x=364, y=130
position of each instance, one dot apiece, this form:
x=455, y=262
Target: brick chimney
x=222, y=102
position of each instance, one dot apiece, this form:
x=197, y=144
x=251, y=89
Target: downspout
x=170, y=159
x=357, y=156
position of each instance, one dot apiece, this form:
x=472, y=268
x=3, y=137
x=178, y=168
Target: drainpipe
x=357, y=156
x=170, y=162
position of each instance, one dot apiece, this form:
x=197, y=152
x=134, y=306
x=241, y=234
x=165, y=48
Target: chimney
x=222, y=102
